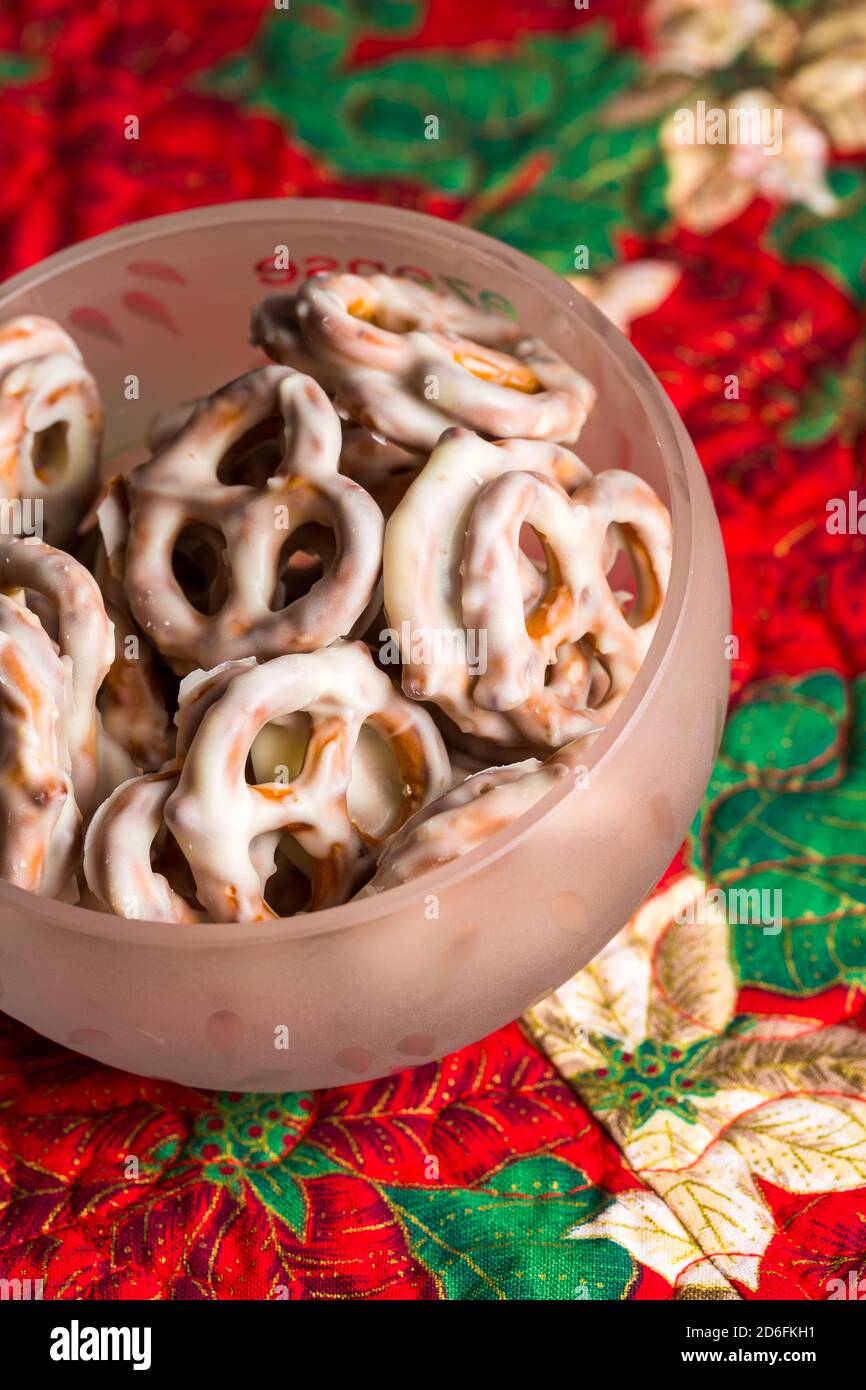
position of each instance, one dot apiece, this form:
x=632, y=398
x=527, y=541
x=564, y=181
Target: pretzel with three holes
x=39, y=819
x=51, y=421
x=181, y=487
x=407, y=362
x=216, y=816
x=469, y=507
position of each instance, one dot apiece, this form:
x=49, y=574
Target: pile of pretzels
x=358, y=610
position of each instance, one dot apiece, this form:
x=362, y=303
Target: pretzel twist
x=181, y=487
x=130, y=858
x=39, y=819
x=131, y=703
x=51, y=421
x=454, y=564
x=340, y=691
x=462, y=819
x=29, y=336
x=85, y=642
x=407, y=362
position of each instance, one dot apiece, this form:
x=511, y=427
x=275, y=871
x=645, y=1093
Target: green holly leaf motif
x=782, y=832
x=256, y=1141
x=480, y=127
x=605, y=177
x=513, y=1238
x=835, y=242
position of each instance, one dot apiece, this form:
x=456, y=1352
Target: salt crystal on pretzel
x=253, y=522
x=51, y=420
x=452, y=563
x=216, y=816
x=86, y=647
x=407, y=362
x=463, y=818
x=39, y=820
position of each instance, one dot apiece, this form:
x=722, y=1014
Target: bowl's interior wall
x=166, y=318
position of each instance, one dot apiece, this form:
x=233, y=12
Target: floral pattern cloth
x=687, y=1117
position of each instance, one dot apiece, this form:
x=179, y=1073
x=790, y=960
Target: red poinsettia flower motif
x=114, y=1186
x=31, y=186
x=739, y=311
x=171, y=37
x=748, y=348
x=819, y=1249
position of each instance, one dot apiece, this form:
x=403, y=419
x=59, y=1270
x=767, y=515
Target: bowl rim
x=682, y=470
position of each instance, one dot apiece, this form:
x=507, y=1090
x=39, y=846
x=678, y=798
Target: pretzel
x=38, y=814
x=452, y=565
x=379, y=467
x=181, y=487
x=215, y=816
x=407, y=362
x=86, y=647
x=462, y=819
x=51, y=420
x=131, y=702
x=29, y=336
x=118, y=848
x=130, y=858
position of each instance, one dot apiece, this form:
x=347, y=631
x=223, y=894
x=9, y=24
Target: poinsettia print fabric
x=687, y=1117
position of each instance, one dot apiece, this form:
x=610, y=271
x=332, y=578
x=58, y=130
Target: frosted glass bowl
x=397, y=979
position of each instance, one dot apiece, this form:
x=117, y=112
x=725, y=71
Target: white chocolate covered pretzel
x=51, y=420
x=237, y=532
x=463, y=818
x=132, y=863
x=30, y=335
x=453, y=565
x=85, y=640
x=39, y=819
x=119, y=850
x=407, y=362
x=131, y=701
x=216, y=816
